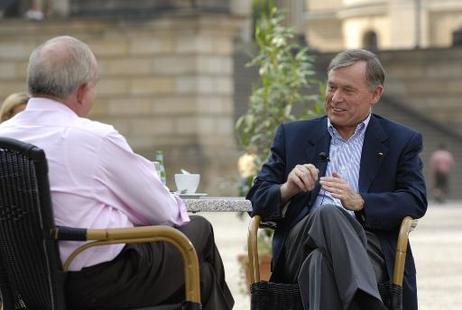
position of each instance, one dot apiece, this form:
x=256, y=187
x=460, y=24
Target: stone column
x=187, y=91
x=208, y=42
x=295, y=14
x=403, y=23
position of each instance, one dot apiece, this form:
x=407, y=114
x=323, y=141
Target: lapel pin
x=380, y=155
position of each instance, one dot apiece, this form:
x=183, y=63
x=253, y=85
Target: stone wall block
x=225, y=126
x=206, y=125
x=454, y=87
x=151, y=44
x=186, y=85
x=215, y=104
x=405, y=71
x=216, y=126
x=193, y=44
x=222, y=46
x=174, y=65
x=129, y=107
x=152, y=86
x=8, y=70
x=112, y=87
x=215, y=85
x=100, y=108
x=176, y=105
x=152, y=126
x=128, y=66
x=8, y=87
x=444, y=70
x=104, y=48
x=15, y=50
x=21, y=69
x=215, y=65
x=186, y=125
x=425, y=86
x=224, y=85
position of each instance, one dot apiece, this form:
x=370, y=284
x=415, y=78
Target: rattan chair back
x=30, y=267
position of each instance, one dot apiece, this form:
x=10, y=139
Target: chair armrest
x=148, y=234
x=252, y=249
x=407, y=225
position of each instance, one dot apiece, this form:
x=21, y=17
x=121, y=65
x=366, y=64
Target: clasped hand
x=303, y=178
x=340, y=189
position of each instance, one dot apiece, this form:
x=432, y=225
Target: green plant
x=286, y=72
x=285, y=75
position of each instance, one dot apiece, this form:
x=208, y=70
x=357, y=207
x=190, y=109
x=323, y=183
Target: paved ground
x=437, y=245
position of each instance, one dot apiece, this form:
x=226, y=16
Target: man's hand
x=340, y=189
x=301, y=179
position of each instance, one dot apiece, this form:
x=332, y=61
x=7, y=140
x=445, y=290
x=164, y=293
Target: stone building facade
x=171, y=81
x=165, y=83
x=332, y=25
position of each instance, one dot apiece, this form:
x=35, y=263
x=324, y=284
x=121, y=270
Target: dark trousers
x=152, y=274
x=335, y=262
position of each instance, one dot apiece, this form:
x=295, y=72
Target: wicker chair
x=269, y=295
x=31, y=273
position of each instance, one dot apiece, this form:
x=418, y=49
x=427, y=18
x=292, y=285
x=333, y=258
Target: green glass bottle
x=160, y=158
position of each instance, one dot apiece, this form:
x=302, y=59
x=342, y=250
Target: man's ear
x=376, y=94
x=81, y=92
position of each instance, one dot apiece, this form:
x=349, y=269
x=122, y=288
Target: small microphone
x=323, y=156
x=380, y=155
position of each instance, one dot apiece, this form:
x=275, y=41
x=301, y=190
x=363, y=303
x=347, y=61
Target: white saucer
x=190, y=196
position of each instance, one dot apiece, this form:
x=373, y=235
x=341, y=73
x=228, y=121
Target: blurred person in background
x=12, y=105
x=441, y=165
x=36, y=9
x=30, y=9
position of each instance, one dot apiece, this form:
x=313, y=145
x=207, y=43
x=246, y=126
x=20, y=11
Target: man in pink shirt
x=441, y=164
x=97, y=181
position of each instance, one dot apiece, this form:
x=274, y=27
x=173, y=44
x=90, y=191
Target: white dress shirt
x=96, y=180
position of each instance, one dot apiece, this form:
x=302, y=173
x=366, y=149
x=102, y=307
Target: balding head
x=59, y=67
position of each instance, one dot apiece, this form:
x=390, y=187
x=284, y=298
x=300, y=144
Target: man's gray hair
x=375, y=74
x=59, y=66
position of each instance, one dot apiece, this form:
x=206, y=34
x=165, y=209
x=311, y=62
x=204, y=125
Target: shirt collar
x=46, y=104
x=360, y=128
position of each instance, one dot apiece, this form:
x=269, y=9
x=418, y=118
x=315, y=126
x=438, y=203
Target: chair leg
x=401, y=249
x=252, y=249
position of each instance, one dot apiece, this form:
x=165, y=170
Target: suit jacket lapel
x=373, y=153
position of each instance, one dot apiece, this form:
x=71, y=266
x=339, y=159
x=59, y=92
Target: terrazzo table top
x=218, y=204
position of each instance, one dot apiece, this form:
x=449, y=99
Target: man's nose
x=337, y=96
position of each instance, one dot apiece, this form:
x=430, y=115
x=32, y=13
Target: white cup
x=187, y=183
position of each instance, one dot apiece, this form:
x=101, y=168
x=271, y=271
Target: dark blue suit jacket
x=390, y=182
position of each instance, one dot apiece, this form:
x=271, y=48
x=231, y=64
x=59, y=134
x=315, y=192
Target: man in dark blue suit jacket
x=383, y=183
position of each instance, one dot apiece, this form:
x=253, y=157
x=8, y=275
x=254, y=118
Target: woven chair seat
x=392, y=295
x=275, y=296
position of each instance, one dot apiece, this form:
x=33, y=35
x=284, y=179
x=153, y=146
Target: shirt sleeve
x=132, y=186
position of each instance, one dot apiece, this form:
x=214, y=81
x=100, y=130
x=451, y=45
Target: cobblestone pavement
x=437, y=246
